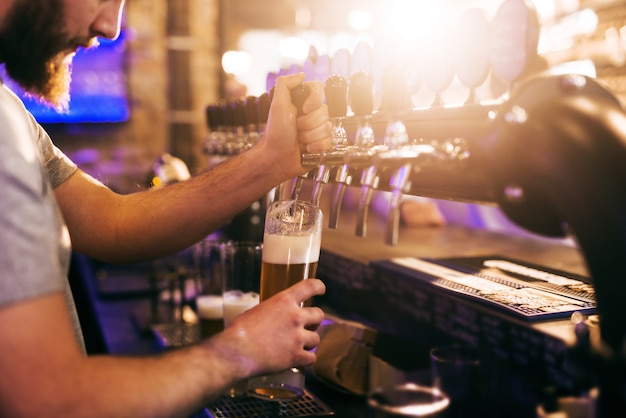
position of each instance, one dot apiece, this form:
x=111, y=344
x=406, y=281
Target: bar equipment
x=361, y=93
x=550, y=153
x=214, y=145
x=336, y=89
x=290, y=190
x=471, y=58
x=252, y=120
x=337, y=102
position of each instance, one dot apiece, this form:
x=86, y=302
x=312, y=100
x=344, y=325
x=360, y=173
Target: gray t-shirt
x=34, y=239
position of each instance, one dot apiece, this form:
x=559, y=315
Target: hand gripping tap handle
x=299, y=95
x=336, y=90
x=284, y=191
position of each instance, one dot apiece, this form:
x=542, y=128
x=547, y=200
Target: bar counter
x=119, y=315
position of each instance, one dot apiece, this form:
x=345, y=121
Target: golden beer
x=281, y=276
x=291, y=249
x=210, y=315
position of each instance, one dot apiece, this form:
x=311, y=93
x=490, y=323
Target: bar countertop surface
x=118, y=316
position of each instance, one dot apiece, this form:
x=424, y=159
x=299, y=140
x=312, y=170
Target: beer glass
x=468, y=376
x=291, y=249
x=241, y=262
x=209, y=303
x=241, y=267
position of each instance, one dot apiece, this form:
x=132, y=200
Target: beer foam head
x=236, y=303
x=210, y=306
x=237, y=296
x=291, y=249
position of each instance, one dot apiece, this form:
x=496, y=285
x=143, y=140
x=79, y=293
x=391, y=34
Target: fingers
x=311, y=340
x=313, y=128
x=306, y=289
x=282, y=90
x=285, y=83
x=315, y=98
x=316, y=138
x=309, y=317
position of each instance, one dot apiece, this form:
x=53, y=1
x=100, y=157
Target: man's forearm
x=162, y=221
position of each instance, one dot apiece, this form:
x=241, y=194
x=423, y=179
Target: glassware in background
x=291, y=249
x=241, y=272
x=209, y=304
x=407, y=400
x=468, y=375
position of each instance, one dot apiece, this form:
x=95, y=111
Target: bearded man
x=49, y=207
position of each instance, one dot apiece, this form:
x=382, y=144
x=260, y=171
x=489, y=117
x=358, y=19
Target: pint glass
x=209, y=304
x=291, y=249
x=241, y=267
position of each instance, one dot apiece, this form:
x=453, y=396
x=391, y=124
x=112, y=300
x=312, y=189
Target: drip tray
x=247, y=407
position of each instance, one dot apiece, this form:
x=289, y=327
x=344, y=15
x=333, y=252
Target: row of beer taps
x=364, y=162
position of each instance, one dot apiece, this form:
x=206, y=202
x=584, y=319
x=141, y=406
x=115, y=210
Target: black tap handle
x=361, y=93
x=252, y=110
x=213, y=117
x=228, y=110
x=337, y=96
x=264, y=107
x=239, y=111
x=299, y=95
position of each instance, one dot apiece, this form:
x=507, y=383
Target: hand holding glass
x=291, y=249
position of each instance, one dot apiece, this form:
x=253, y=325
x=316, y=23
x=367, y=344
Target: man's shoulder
x=13, y=115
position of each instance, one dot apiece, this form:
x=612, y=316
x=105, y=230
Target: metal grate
x=178, y=334
x=249, y=407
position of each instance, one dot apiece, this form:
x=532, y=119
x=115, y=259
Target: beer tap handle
x=320, y=178
x=337, y=102
x=398, y=183
x=264, y=111
x=361, y=94
x=369, y=182
x=213, y=142
x=362, y=104
x=229, y=123
x=343, y=180
x=252, y=119
x=336, y=90
x=394, y=101
x=241, y=137
x=298, y=96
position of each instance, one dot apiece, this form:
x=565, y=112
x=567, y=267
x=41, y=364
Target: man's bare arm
x=45, y=374
x=123, y=228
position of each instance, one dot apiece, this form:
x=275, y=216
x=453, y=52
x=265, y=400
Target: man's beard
x=34, y=49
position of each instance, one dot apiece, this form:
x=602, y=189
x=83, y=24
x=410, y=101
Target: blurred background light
x=294, y=47
x=360, y=19
x=236, y=62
